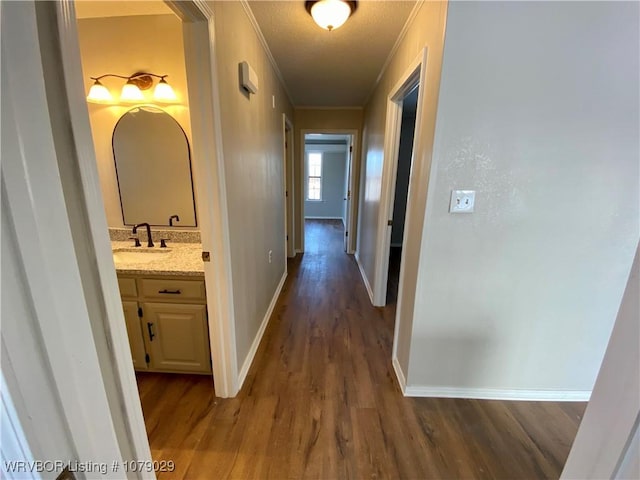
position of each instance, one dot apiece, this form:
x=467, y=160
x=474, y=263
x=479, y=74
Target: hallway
x=321, y=400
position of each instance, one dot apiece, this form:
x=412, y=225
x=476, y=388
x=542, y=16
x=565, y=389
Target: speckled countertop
x=183, y=259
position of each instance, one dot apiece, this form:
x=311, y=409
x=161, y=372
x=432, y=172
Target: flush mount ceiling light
x=132, y=89
x=330, y=14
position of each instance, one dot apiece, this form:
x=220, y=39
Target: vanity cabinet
x=166, y=323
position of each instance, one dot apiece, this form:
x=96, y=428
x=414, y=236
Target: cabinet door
x=177, y=337
x=134, y=331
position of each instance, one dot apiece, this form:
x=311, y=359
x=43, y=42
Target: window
x=314, y=176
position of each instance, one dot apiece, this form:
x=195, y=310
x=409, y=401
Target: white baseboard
x=364, y=278
x=402, y=382
x=322, y=218
x=256, y=341
x=498, y=394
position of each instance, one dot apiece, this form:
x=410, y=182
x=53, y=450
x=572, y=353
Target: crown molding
x=265, y=46
x=394, y=49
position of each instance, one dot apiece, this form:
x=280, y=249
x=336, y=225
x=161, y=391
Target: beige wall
x=321, y=119
x=125, y=45
x=523, y=293
x=254, y=170
x=426, y=30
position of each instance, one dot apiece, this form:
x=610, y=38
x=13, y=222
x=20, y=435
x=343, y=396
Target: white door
x=347, y=196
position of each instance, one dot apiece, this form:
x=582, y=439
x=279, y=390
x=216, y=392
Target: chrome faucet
x=149, y=239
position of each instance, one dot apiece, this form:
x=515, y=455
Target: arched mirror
x=153, y=166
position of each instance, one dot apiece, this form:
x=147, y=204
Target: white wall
x=115, y=45
x=334, y=159
x=254, y=171
x=610, y=420
x=38, y=405
x=538, y=112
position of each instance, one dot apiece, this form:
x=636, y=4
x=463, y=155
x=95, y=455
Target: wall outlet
x=270, y=255
x=462, y=201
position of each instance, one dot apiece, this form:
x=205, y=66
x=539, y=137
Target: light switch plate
x=462, y=201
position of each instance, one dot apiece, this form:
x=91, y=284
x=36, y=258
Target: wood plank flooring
x=321, y=400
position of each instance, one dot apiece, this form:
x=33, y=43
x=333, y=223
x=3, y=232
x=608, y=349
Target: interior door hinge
x=350, y=148
x=286, y=193
x=389, y=222
x=287, y=237
x=147, y=358
x=140, y=312
x=346, y=234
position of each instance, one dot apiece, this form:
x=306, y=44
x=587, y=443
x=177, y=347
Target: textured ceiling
x=337, y=68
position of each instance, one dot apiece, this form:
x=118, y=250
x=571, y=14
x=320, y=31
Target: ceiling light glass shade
x=330, y=14
x=99, y=93
x=131, y=93
x=163, y=92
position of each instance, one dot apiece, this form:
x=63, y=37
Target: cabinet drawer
x=127, y=287
x=172, y=289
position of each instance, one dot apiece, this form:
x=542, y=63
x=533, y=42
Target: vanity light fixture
x=330, y=14
x=99, y=93
x=132, y=89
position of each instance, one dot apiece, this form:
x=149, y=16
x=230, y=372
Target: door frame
x=289, y=195
x=199, y=40
x=351, y=226
x=414, y=75
x=200, y=55
x=53, y=271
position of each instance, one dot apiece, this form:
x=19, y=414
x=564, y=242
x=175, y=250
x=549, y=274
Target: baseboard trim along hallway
x=364, y=277
x=402, y=381
x=256, y=341
x=495, y=394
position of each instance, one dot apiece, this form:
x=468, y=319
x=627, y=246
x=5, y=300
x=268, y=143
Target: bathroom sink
x=137, y=255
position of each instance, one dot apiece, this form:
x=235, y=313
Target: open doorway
x=401, y=191
x=194, y=316
x=144, y=151
x=289, y=210
x=327, y=194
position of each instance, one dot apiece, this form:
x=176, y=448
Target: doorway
x=289, y=204
x=401, y=191
x=327, y=184
x=109, y=323
x=402, y=97
x=165, y=316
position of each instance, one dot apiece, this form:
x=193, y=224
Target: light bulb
x=163, y=92
x=330, y=14
x=131, y=93
x=98, y=93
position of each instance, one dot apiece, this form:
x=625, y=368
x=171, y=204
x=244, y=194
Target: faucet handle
x=137, y=244
x=163, y=242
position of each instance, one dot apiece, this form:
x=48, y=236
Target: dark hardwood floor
x=321, y=400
